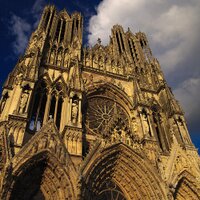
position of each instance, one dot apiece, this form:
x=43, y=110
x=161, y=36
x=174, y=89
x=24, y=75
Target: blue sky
x=172, y=28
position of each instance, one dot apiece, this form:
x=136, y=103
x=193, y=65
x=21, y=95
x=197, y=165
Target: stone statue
x=52, y=143
x=18, y=79
x=2, y=105
x=145, y=124
x=52, y=56
x=66, y=58
x=74, y=111
x=59, y=58
x=23, y=101
x=33, y=43
x=183, y=131
x=134, y=125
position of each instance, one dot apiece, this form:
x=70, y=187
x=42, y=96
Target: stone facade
x=95, y=123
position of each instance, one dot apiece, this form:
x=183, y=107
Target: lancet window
x=62, y=34
x=47, y=16
x=38, y=109
x=118, y=42
x=47, y=105
x=160, y=132
x=55, y=106
x=58, y=29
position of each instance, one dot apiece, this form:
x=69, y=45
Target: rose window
x=104, y=113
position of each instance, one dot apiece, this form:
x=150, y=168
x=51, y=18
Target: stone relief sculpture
x=52, y=56
x=18, y=79
x=23, y=102
x=74, y=116
x=59, y=58
x=3, y=102
x=145, y=124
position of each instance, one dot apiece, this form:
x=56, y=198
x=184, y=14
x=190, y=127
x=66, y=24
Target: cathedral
x=92, y=123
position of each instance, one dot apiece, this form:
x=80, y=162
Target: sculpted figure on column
x=145, y=124
x=23, y=101
x=74, y=111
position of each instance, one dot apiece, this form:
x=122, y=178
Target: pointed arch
x=113, y=89
x=128, y=169
x=42, y=173
x=42, y=167
x=186, y=186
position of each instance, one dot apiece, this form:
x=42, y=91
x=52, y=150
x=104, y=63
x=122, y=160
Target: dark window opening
x=158, y=132
x=46, y=19
x=118, y=42
x=122, y=41
x=38, y=109
x=42, y=111
x=131, y=48
x=58, y=30
x=59, y=110
x=52, y=108
x=77, y=23
x=72, y=29
x=34, y=112
x=51, y=20
x=63, y=31
x=134, y=50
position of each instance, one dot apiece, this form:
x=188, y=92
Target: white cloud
x=171, y=26
x=37, y=10
x=188, y=94
x=20, y=28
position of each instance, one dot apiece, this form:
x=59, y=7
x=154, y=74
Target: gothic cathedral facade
x=94, y=123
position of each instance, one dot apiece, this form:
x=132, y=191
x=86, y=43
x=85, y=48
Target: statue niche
x=23, y=102
x=3, y=102
x=145, y=123
x=52, y=56
x=59, y=57
x=75, y=108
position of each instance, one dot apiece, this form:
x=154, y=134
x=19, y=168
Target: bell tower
x=46, y=81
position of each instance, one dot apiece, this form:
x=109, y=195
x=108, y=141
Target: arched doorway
x=41, y=177
x=29, y=183
x=186, y=190
x=118, y=172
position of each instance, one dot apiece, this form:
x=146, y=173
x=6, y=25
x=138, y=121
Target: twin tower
x=95, y=123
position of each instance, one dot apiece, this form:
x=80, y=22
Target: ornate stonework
x=96, y=123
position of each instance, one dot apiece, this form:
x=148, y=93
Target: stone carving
x=23, y=102
x=74, y=111
x=52, y=56
x=145, y=124
x=18, y=79
x=67, y=57
x=183, y=131
x=3, y=102
x=59, y=58
x=134, y=125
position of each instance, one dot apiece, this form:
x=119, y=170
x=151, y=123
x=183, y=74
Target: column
x=46, y=113
x=79, y=112
x=150, y=126
x=56, y=109
x=70, y=110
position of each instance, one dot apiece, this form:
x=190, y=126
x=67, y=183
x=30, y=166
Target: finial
x=99, y=41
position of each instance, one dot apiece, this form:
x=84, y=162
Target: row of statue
x=49, y=142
